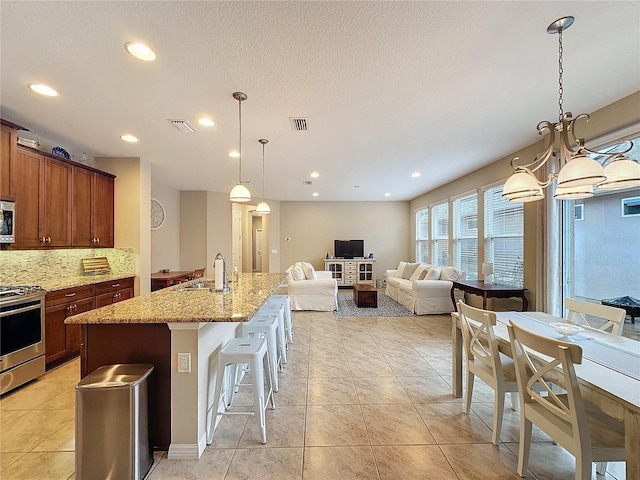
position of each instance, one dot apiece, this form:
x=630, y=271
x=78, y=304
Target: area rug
x=386, y=307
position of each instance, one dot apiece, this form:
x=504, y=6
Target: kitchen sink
x=198, y=286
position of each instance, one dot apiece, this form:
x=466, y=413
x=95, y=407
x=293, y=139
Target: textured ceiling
x=388, y=87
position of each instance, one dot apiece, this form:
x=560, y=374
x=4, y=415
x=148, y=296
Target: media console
x=349, y=271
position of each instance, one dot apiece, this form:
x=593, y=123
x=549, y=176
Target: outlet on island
x=184, y=363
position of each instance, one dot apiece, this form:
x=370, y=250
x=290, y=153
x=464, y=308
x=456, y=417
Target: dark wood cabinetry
x=65, y=341
x=8, y=147
x=92, y=214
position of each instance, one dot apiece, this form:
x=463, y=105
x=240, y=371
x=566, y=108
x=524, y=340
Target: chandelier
x=240, y=193
x=263, y=207
x=580, y=174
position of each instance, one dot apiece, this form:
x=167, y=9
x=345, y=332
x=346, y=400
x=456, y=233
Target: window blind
x=440, y=234
x=465, y=235
x=422, y=235
x=504, y=237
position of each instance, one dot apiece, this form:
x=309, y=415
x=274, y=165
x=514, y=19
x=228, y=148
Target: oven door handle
x=8, y=313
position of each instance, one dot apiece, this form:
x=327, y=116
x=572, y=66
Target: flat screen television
x=348, y=248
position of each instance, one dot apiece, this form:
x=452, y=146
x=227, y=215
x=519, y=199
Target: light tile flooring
x=361, y=398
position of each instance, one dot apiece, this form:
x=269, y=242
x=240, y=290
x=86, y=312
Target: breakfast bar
x=153, y=328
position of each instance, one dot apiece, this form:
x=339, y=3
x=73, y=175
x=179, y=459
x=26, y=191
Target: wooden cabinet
x=65, y=341
x=348, y=272
x=92, y=209
x=42, y=188
x=8, y=151
x=113, y=292
x=62, y=341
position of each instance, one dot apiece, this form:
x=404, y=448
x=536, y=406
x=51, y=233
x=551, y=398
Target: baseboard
x=187, y=451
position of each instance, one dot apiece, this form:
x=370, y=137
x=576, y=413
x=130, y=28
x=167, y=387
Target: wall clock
x=157, y=214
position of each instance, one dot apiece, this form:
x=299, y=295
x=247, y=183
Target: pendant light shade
x=522, y=187
x=240, y=193
x=580, y=171
x=263, y=207
x=621, y=173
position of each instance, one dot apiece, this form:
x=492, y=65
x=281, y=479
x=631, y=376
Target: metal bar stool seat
x=277, y=310
x=235, y=352
x=285, y=301
x=266, y=327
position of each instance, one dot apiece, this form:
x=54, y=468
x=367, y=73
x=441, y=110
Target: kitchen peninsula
x=154, y=328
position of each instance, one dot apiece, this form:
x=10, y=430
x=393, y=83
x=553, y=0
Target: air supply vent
x=307, y=182
x=183, y=125
x=299, y=124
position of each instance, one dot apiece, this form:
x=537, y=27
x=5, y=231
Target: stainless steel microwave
x=7, y=222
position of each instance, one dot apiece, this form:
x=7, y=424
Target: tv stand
x=349, y=271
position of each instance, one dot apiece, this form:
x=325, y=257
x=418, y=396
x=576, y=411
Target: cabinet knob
x=43, y=239
x=98, y=240
x=48, y=240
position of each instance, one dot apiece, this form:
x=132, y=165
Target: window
x=578, y=212
x=422, y=235
x=504, y=237
x=465, y=235
x=630, y=206
x=440, y=234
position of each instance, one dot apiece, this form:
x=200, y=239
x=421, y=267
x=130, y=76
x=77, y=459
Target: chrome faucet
x=225, y=279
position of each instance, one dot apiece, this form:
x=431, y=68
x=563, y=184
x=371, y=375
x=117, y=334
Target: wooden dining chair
x=578, y=309
x=483, y=360
x=580, y=427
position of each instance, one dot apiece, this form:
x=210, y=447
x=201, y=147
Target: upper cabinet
x=93, y=196
x=59, y=203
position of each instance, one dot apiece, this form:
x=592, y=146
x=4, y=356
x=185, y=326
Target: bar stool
x=266, y=327
x=277, y=310
x=285, y=301
x=240, y=351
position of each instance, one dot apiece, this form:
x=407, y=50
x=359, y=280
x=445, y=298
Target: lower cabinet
x=65, y=341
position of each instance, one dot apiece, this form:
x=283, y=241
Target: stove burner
x=18, y=290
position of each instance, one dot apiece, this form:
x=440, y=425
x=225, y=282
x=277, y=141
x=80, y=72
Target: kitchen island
x=153, y=328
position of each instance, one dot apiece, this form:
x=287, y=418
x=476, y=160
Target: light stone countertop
x=192, y=306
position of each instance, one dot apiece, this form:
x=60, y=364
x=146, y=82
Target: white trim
x=186, y=451
x=484, y=188
x=465, y=194
x=622, y=207
x=616, y=136
x=575, y=207
x=186, y=325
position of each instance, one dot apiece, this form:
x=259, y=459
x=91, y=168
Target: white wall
x=165, y=242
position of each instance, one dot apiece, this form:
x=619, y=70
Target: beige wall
x=614, y=117
x=193, y=230
x=313, y=226
x=165, y=242
x=132, y=212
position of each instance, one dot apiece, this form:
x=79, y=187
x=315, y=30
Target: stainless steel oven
x=7, y=222
x=22, y=335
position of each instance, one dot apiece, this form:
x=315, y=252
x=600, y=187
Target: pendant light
x=263, y=207
x=240, y=193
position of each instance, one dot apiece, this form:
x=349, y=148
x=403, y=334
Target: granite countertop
x=174, y=304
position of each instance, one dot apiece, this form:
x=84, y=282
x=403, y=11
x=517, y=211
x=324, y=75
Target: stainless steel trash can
x=112, y=424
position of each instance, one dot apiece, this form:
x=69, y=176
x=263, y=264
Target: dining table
x=609, y=375
x=168, y=278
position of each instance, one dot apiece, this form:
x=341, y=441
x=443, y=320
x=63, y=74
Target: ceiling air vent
x=183, y=125
x=299, y=124
x=307, y=182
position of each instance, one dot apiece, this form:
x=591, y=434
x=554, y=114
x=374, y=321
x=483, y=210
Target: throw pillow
x=420, y=272
x=309, y=272
x=400, y=269
x=433, y=274
x=409, y=268
x=450, y=273
x=297, y=273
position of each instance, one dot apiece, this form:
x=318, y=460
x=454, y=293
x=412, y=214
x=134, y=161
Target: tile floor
x=361, y=398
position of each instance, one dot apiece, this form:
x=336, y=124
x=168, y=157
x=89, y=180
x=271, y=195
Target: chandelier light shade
x=263, y=207
x=580, y=175
x=239, y=193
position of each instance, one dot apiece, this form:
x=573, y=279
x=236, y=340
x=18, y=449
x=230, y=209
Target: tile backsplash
x=34, y=266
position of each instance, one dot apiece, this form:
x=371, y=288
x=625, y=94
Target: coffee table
x=365, y=295
x=488, y=290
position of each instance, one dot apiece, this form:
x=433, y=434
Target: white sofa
x=422, y=288
x=310, y=289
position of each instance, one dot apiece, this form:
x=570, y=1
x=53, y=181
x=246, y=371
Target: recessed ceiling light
x=140, y=51
x=129, y=138
x=415, y=174
x=387, y=194
x=314, y=174
x=43, y=89
x=234, y=154
x=315, y=194
x=206, y=122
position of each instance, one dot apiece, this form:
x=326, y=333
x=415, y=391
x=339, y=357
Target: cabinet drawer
x=113, y=297
x=69, y=295
x=114, y=286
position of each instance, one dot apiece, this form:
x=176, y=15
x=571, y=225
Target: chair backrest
x=578, y=309
x=198, y=273
x=548, y=363
x=479, y=338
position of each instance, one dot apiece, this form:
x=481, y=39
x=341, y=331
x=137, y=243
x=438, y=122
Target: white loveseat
x=310, y=289
x=423, y=289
